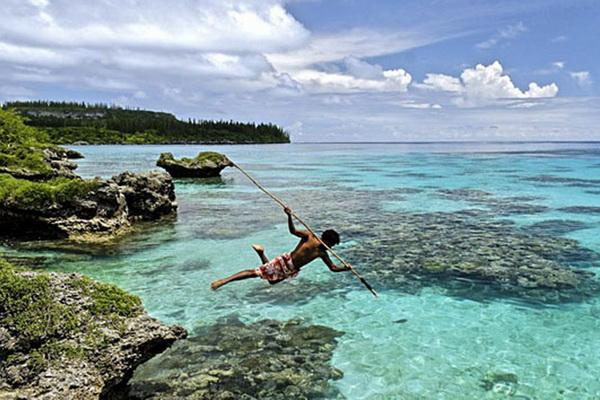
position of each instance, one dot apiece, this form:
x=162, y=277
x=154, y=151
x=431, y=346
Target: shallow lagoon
x=451, y=346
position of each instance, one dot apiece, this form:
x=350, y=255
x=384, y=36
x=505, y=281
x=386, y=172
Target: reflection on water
x=488, y=253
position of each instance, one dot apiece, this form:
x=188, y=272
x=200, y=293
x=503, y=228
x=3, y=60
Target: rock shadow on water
x=26, y=261
x=267, y=359
x=217, y=181
x=143, y=235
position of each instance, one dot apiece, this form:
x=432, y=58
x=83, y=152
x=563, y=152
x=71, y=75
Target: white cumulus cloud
x=445, y=83
x=483, y=85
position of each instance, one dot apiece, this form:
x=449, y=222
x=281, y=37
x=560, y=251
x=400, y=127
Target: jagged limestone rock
x=149, y=195
x=65, y=336
x=95, y=210
x=206, y=164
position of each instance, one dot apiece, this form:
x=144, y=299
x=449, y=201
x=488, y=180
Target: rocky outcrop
x=59, y=160
x=148, y=196
x=57, y=164
x=230, y=360
x=205, y=165
x=68, y=337
x=73, y=154
x=41, y=197
x=89, y=210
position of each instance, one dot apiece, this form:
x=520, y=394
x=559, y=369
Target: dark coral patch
x=231, y=360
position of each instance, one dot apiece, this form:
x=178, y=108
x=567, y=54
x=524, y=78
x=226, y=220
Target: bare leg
x=246, y=274
x=261, y=253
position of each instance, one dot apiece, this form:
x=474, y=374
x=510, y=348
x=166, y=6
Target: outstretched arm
x=293, y=230
x=332, y=267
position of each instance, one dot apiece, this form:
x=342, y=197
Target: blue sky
x=330, y=70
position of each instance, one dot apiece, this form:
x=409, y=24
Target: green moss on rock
x=207, y=164
x=43, y=194
x=209, y=156
x=67, y=336
x=108, y=300
x=23, y=158
x=27, y=306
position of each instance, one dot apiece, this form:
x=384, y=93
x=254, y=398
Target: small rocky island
x=207, y=164
x=41, y=197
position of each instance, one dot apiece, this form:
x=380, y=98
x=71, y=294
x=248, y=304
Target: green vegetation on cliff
x=65, y=336
x=47, y=328
x=20, y=145
x=14, y=132
x=26, y=305
x=108, y=300
x=22, y=154
x=101, y=124
x=43, y=194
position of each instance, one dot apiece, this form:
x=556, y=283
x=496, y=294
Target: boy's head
x=330, y=237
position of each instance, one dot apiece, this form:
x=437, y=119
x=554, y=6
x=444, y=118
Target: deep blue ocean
x=453, y=333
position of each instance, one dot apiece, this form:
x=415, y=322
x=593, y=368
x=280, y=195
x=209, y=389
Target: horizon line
x=450, y=142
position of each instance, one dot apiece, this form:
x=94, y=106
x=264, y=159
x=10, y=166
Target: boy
x=288, y=264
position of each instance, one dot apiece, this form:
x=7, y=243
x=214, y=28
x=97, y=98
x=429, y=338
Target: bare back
x=308, y=249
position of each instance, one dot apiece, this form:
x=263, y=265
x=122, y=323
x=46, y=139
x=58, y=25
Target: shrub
x=14, y=131
x=49, y=331
x=21, y=145
x=27, y=306
x=43, y=194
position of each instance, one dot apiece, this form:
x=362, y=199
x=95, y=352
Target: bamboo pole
x=282, y=203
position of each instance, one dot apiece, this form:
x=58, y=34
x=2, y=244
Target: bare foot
x=216, y=284
x=258, y=248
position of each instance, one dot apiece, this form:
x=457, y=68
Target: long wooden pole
x=282, y=203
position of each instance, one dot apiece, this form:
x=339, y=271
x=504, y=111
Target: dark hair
x=330, y=237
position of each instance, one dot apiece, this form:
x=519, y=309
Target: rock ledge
x=78, y=339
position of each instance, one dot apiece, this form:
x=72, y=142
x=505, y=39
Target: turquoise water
x=451, y=340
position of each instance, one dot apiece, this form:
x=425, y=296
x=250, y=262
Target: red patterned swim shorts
x=277, y=269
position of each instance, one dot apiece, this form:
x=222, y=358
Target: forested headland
x=85, y=123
